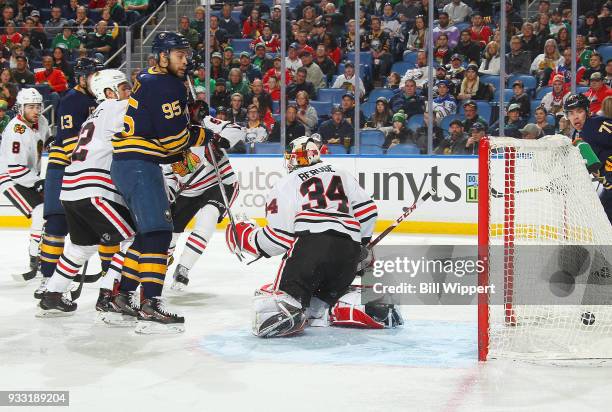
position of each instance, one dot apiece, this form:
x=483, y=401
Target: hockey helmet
x=106, y=79
x=576, y=101
x=86, y=66
x=302, y=152
x=166, y=41
x=28, y=96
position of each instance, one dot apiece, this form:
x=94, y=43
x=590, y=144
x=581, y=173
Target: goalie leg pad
x=276, y=314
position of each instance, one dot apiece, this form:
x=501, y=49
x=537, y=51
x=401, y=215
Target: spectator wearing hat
x=66, y=39
x=314, y=73
x=276, y=72
x=20, y=74
x=216, y=66
x=541, y=119
x=472, y=87
x=236, y=83
x=521, y=98
x=477, y=132
x=444, y=104
x=293, y=61
x=470, y=109
x=222, y=113
x=337, y=130
x=55, y=24
x=455, y=72
x=382, y=116
x=408, y=100
x=444, y=26
x=301, y=84
x=468, y=48
x=260, y=60
x=247, y=68
x=327, y=65
x=554, y=100
x=270, y=41
x=253, y=25
x=592, y=30
x=236, y=113
x=531, y=131
x=441, y=73
x=399, y=133
x=293, y=128
x=200, y=78
x=456, y=141
x=227, y=23
x=347, y=80
x=513, y=123
x=229, y=61
x=220, y=95
x=378, y=42
x=348, y=108
x=4, y=118
x=597, y=92
x=518, y=61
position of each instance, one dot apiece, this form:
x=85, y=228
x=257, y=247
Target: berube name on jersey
x=306, y=175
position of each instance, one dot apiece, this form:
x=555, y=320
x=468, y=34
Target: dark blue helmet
x=86, y=66
x=168, y=40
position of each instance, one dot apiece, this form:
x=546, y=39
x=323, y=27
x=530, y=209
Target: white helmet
x=106, y=79
x=28, y=96
x=302, y=152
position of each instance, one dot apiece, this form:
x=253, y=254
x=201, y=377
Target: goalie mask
x=106, y=79
x=302, y=152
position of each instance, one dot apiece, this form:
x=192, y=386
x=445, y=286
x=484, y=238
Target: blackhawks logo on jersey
x=19, y=128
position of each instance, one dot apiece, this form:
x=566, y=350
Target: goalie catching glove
x=243, y=239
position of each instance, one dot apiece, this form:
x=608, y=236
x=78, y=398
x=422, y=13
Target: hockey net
x=543, y=236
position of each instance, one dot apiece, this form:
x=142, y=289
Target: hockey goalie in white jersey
x=319, y=217
x=95, y=210
x=20, y=159
x=197, y=193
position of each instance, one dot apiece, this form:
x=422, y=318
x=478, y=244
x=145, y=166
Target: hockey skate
x=55, y=304
x=118, y=310
x=180, y=278
x=154, y=318
x=41, y=289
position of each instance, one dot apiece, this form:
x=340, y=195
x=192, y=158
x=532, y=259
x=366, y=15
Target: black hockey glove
x=366, y=260
x=39, y=186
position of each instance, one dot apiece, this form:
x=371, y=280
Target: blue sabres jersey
x=156, y=121
x=73, y=110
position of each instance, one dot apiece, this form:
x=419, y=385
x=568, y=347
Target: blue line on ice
x=418, y=343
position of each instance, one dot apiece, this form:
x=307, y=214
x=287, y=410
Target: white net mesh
x=556, y=298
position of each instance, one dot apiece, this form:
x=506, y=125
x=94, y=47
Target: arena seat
x=488, y=78
x=410, y=57
x=415, y=121
x=401, y=67
x=605, y=51
x=371, y=149
x=241, y=45
x=364, y=58
x=368, y=108
x=372, y=137
x=380, y=92
x=267, y=148
x=331, y=95
x=337, y=149
x=542, y=91
x=404, y=149
x=529, y=82
x=322, y=107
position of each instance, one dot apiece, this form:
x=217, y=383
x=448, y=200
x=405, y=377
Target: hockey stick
x=407, y=211
x=74, y=294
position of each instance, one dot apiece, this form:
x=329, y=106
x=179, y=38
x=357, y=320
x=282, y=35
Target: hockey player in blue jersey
x=73, y=110
x=156, y=131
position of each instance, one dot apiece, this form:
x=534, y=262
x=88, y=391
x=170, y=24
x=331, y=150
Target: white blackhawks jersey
x=202, y=179
x=88, y=174
x=20, y=152
x=315, y=199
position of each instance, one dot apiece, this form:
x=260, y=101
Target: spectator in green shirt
x=200, y=79
x=134, y=9
x=66, y=39
x=236, y=83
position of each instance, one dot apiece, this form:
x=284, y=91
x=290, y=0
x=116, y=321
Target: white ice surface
x=216, y=365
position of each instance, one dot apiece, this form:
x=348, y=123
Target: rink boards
x=393, y=182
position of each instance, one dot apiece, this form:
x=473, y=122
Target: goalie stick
x=213, y=158
x=407, y=211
